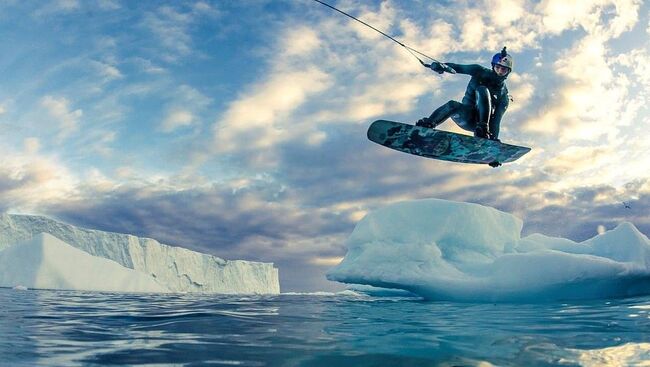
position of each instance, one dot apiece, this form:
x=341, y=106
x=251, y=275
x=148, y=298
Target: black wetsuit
x=485, y=101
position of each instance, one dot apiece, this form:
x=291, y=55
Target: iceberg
x=444, y=250
x=175, y=269
x=45, y=262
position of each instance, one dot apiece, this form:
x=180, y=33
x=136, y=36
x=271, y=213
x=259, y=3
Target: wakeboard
x=443, y=145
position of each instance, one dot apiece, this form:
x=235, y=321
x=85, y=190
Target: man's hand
x=437, y=67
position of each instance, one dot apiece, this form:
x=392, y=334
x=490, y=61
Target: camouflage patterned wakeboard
x=444, y=145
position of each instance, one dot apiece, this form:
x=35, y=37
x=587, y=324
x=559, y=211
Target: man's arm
x=471, y=69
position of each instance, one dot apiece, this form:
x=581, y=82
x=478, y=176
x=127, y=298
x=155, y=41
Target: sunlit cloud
x=506, y=12
x=560, y=15
x=522, y=88
x=27, y=181
x=473, y=30
x=578, y=104
x=389, y=97
x=258, y=120
x=300, y=41
x=574, y=159
x=326, y=261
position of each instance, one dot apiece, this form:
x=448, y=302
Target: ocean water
x=57, y=328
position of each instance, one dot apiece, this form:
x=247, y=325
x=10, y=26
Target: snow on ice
x=167, y=268
x=443, y=250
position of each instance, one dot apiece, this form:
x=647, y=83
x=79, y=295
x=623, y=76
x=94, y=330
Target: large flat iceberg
x=176, y=269
x=45, y=262
x=443, y=250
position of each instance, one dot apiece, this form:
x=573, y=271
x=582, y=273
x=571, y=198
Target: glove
x=437, y=67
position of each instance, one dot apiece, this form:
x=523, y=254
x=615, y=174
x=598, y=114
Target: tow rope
x=411, y=50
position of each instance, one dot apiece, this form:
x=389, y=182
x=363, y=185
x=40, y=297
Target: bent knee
x=453, y=103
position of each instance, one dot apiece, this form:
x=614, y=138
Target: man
x=486, y=98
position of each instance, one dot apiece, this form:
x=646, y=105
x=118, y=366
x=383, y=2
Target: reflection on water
x=79, y=328
x=623, y=355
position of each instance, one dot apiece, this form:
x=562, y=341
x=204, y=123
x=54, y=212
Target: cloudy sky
x=238, y=128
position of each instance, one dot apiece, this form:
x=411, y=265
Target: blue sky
x=238, y=128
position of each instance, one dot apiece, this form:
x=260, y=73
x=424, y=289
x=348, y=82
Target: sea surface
x=64, y=328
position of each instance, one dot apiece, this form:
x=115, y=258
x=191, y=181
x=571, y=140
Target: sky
x=239, y=128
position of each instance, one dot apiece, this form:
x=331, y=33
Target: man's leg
x=465, y=117
x=440, y=115
x=484, y=111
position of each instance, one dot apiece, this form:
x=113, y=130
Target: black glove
x=437, y=67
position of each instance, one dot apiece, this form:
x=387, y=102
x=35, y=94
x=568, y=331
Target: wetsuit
x=485, y=101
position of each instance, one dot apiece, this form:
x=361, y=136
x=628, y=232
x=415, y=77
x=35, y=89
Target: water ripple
x=53, y=328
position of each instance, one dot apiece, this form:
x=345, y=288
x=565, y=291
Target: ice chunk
x=45, y=262
x=178, y=269
x=446, y=250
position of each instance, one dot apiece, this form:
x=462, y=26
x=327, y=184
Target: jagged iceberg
x=443, y=250
x=175, y=269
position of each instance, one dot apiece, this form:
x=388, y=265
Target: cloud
x=233, y=219
x=57, y=7
x=107, y=71
x=148, y=66
x=172, y=27
x=261, y=119
x=522, y=89
x=395, y=96
x=32, y=145
x=594, y=206
x=637, y=61
x=29, y=181
x=381, y=19
x=177, y=119
x=312, y=72
x=577, y=106
x=506, y=12
x=59, y=109
x=299, y=41
x=594, y=16
x=101, y=142
x=109, y=4
x=186, y=105
x=573, y=160
x=473, y=30
x=262, y=219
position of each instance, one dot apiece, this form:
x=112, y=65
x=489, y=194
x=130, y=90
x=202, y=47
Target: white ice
x=443, y=250
x=177, y=269
x=45, y=262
